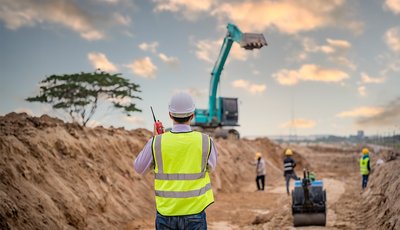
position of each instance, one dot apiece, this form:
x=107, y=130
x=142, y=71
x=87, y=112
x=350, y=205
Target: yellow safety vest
x=364, y=166
x=182, y=184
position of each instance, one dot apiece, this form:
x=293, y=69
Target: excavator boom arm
x=246, y=40
x=213, y=116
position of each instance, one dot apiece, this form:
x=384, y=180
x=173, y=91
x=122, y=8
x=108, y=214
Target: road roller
x=308, y=202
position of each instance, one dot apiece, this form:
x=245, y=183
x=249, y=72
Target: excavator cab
x=228, y=111
x=227, y=114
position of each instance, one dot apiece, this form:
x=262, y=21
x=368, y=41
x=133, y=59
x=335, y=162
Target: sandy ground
x=271, y=209
x=62, y=176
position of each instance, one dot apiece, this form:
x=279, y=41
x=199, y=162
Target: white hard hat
x=181, y=105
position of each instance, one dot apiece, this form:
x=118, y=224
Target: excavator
x=223, y=111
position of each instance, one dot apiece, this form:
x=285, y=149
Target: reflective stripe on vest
x=364, y=166
x=186, y=194
x=182, y=184
x=288, y=166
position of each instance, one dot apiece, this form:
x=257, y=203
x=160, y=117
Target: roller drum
x=309, y=219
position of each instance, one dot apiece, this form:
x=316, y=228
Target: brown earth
x=62, y=176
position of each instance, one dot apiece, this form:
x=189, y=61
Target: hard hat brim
x=181, y=115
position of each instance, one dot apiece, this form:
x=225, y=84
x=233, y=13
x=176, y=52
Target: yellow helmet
x=258, y=155
x=365, y=151
x=288, y=152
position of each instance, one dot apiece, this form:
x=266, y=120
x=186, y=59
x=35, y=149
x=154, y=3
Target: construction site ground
x=271, y=209
x=56, y=175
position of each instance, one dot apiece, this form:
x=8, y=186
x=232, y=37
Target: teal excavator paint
x=223, y=112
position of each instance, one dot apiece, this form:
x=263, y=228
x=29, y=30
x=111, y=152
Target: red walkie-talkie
x=159, y=125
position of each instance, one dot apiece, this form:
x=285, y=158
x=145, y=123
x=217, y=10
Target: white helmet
x=181, y=105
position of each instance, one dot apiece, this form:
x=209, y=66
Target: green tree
x=79, y=94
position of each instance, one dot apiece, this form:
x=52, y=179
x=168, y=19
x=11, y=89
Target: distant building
x=360, y=134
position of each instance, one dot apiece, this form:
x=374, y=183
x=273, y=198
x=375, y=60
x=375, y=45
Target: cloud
x=17, y=14
x=24, y=110
x=100, y=61
x=124, y=101
x=310, y=72
x=361, y=112
x=152, y=47
x=300, y=123
x=335, y=49
x=344, y=61
x=122, y=20
x=135, y=120
x=250, y=87
x=389, y=115
x=365, y=79
x=287, y=16
x=143, y=68
x=239, y=53
x=109, y=1
x=176, y=5
x=287, y=77
x=190, y=9
x=169, y=60
x=392, y=39
x=195, y=92
x=208, y=50
x=362, y=91
x=340, y=44
x=93, y=123
x=371, y=80
x=393, y=5
x=331, y=46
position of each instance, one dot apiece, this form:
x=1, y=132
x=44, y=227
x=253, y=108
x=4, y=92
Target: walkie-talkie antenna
x=154, y=117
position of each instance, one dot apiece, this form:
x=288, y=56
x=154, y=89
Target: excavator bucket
x=252, y=41
x=309, y=203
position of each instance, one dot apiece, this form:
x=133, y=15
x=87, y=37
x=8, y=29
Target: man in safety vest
x=288, y=169
x=181, y=159
x=365, y=168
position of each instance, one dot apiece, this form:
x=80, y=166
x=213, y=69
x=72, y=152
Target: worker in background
x=260, y=172
x=288, y=167
x=365, y=168
x=181, y=160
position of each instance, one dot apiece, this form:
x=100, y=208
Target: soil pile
x=55, y=175
x=63, y=176
x=381, y=203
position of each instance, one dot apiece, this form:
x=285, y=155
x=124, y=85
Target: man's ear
x=170, y=116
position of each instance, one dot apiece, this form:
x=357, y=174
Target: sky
x=330, y=67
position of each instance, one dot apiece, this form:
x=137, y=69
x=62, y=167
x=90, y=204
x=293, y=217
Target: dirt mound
x=381, y=203
x=63, y=176
x=236, y=158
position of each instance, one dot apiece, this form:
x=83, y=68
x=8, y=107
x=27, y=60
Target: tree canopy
x=79, y=94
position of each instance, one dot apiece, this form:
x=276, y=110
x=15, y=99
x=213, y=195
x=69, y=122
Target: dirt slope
x=381, y=202
x=62, y=176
